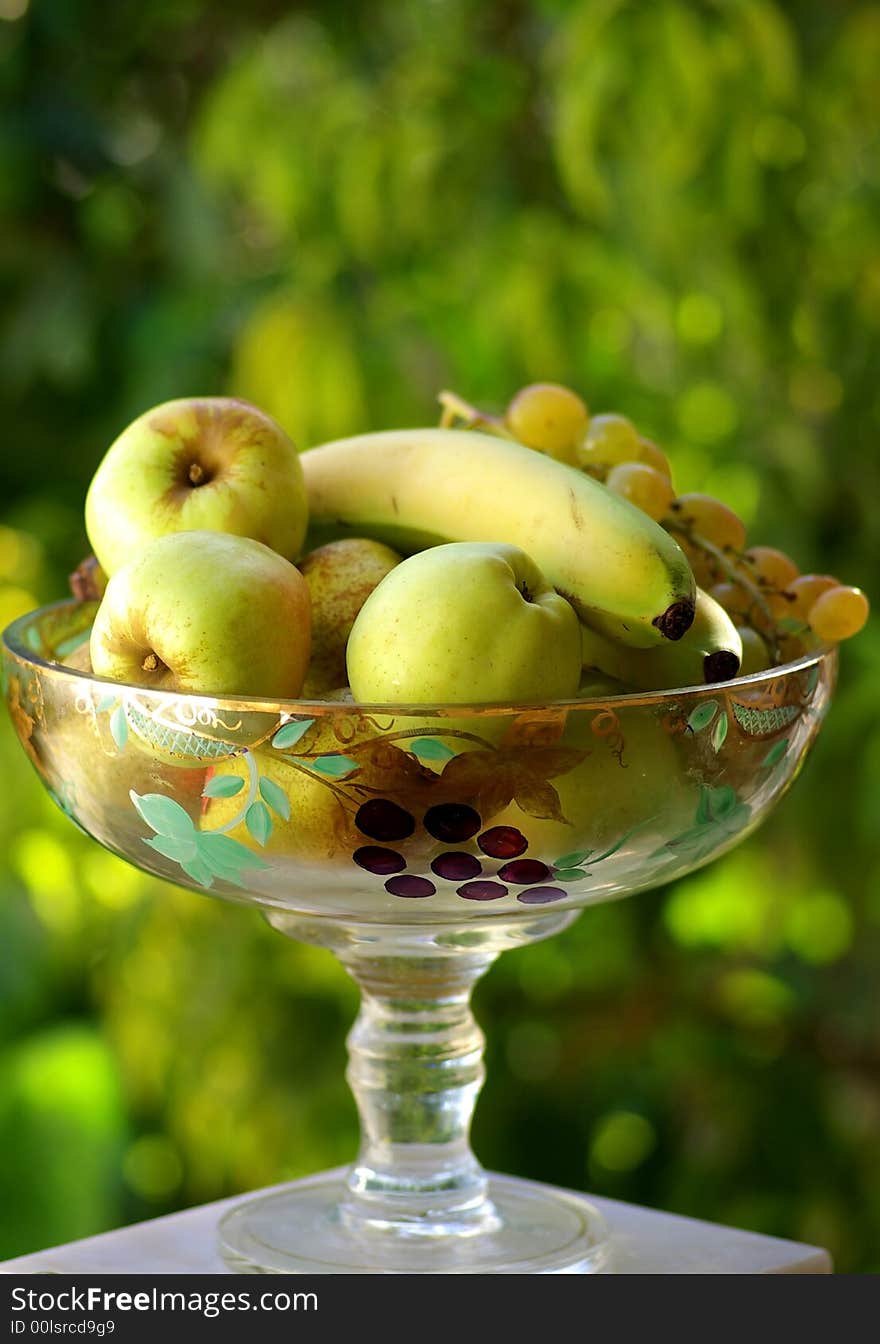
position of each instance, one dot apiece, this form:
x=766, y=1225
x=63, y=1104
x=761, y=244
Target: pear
x=319, y=826
x=340, y=577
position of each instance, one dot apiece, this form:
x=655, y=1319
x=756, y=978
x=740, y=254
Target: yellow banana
x=711, y=650
x=415, y=488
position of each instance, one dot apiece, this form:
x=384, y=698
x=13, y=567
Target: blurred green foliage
x=336, y=209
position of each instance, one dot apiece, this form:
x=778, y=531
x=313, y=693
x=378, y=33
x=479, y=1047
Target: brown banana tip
x=677, y=619
x=721, y=665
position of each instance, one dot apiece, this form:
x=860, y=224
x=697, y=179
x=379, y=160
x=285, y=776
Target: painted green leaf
x=223, y=786
x=119, y=726
x=179, y=848
x=164, y=815
x=199, y=871
x=739, y=817
x=719, y=732
x=292, y=732
x=106, y=702
x=618, y=844
x=226, y=872
x=573, y=860
x=704, y=813
x=259, y=821
x=703, y=715
x=569, y=874
x=275, y=796
x=722, y=802
x=813, y=679
x=776, y=752
x=224, y=854
x=698, y=840
x=333, y=766
x=431, y=749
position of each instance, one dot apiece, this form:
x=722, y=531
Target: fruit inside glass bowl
x=503, y=688
x=416, y=842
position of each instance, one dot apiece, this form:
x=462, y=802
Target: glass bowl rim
x=15, y=647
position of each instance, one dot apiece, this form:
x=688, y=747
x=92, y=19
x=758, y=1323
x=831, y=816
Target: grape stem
x=733, y=575
x=456, y=409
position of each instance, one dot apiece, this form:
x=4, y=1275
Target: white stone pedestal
x=644, y=1242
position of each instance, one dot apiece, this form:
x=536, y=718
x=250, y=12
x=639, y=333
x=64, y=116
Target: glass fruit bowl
x=416, y=843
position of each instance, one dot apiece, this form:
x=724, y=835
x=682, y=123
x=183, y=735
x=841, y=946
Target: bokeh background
x=336, y=209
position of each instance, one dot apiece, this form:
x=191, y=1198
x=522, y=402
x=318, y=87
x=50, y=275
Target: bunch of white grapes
x=778, y=610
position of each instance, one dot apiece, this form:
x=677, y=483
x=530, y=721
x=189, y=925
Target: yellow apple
x=205, y=612
x=201, y=463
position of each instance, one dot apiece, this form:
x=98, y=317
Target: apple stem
x=150, y=663
x=196, y=473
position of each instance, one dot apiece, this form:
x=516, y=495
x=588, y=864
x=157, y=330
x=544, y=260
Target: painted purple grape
x=412, y=887
x=381, y=819
x=482, y=891
x=523, y=872
x=457, y=866
x=452, y=822
x=378, y=860
x=503, y=842
x=541, y=895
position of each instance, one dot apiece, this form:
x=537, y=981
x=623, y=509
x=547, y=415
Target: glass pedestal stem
x=416, y=1068
x=416, y=1200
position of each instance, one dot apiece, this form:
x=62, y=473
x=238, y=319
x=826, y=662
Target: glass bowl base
x=298, y=1230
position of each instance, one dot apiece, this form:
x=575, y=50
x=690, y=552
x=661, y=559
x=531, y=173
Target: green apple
x=199, y=464
x=465, y=623
x=205, y=612
x=341, y=576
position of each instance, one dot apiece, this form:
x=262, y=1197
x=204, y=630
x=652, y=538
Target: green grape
x=643, y=486
x=610, y=439
x=838, y=614
x=549, y=418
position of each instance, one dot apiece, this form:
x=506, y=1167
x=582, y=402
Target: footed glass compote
x=417, y=844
